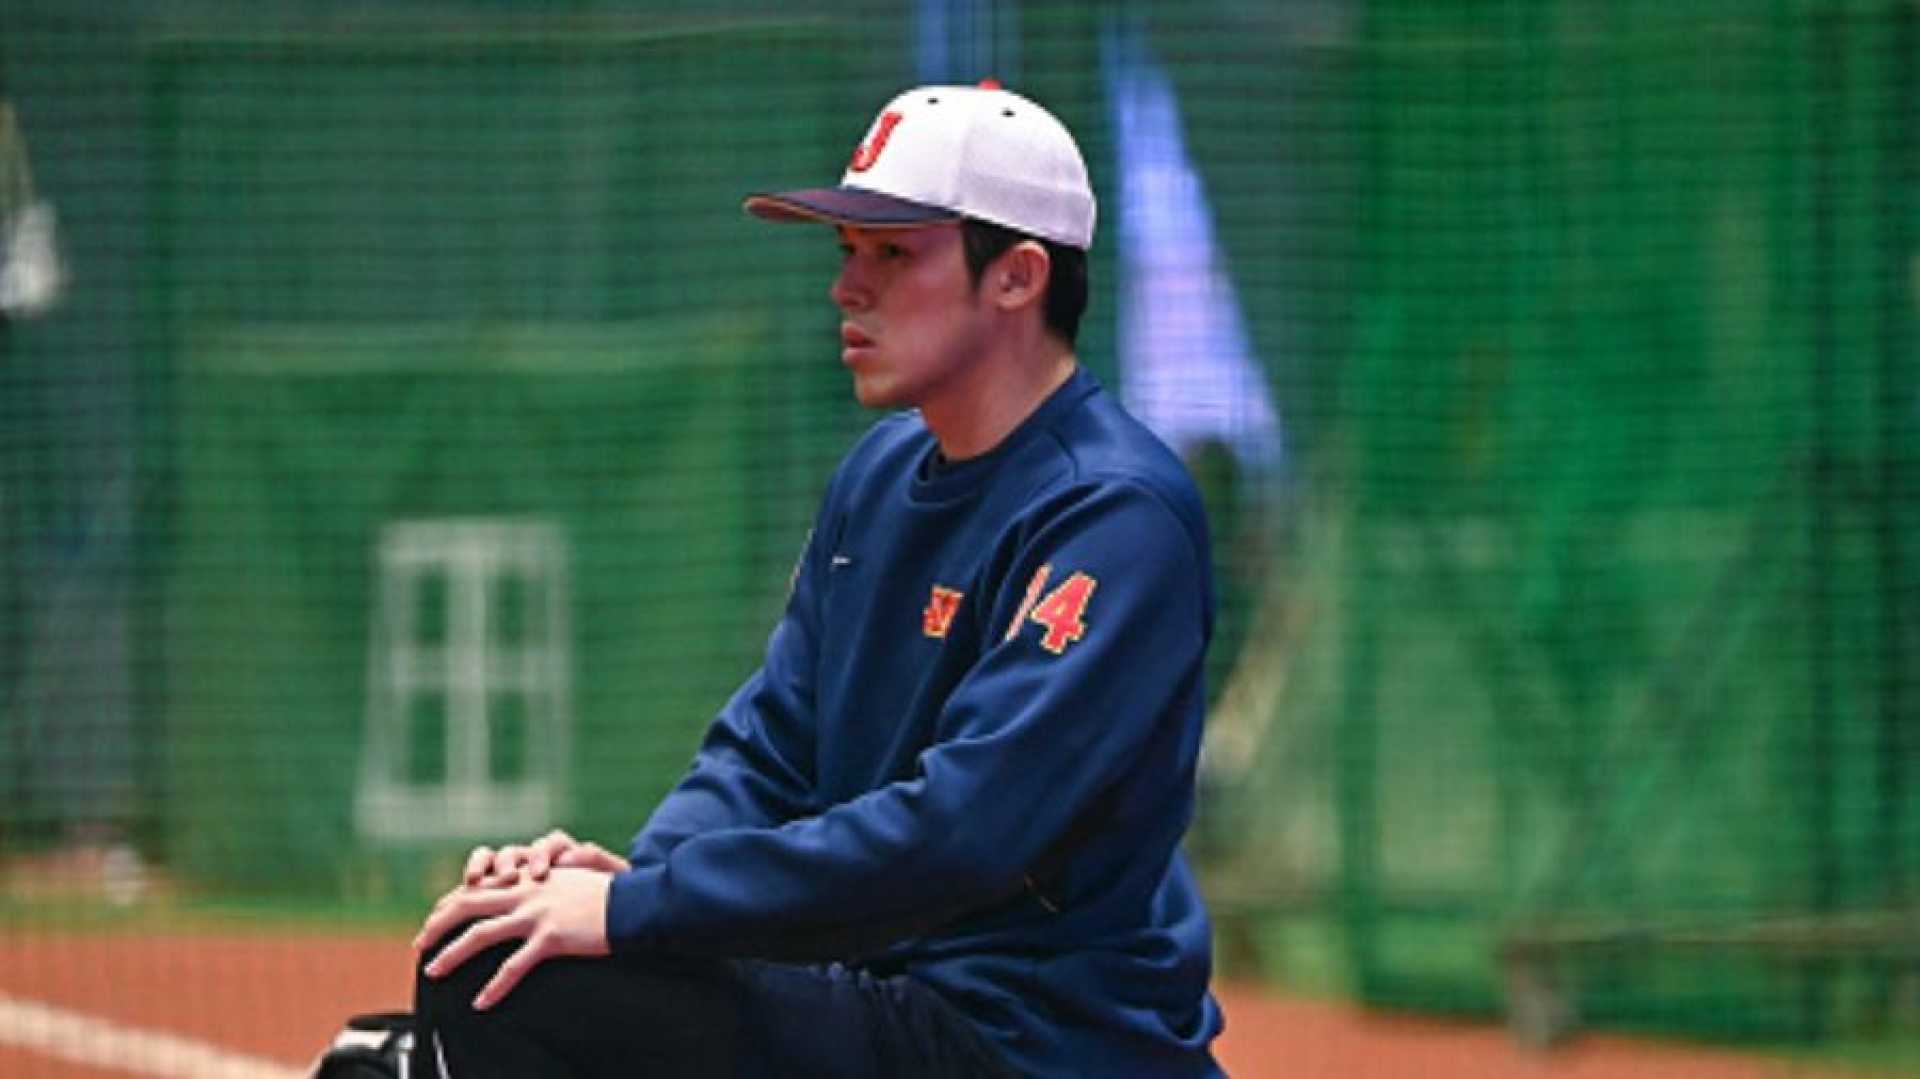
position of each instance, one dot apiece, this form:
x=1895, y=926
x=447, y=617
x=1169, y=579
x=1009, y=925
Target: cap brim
x=846, y=206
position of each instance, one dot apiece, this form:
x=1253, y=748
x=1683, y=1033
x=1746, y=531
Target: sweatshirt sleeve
x=754, y=768
x=1094, y=631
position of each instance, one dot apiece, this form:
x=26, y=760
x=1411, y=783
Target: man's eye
x=893, y=251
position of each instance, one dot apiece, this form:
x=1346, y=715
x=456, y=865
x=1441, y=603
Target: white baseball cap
x=941, y=153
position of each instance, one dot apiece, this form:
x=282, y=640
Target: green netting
x=1574, y=623
x=299, y=448
x=1605, y=592
x=335, y=376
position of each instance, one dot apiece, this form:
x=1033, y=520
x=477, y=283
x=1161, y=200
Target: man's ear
x=1019, y=276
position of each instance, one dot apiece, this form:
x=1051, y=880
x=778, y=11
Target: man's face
x=913, y=321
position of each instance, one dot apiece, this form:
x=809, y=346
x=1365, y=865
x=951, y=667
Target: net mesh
x=405, y=442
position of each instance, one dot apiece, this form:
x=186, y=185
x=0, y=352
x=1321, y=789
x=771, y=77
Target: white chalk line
x=80, y=1038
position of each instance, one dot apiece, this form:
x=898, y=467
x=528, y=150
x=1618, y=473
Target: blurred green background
x=419, y=449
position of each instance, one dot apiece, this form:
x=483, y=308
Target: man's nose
x=849, y=292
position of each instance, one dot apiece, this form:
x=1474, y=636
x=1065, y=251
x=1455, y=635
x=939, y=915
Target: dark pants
x=654, y=1016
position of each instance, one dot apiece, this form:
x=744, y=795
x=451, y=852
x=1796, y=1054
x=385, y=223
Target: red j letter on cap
x=869, y=151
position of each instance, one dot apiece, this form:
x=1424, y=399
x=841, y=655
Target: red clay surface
x=280, y=995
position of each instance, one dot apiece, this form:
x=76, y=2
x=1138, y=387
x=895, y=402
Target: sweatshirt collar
x=934, y=482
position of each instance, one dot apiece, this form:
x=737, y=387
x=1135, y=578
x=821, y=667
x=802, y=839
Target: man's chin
x=872, y=393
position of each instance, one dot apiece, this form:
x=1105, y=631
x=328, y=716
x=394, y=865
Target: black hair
x=1066, y=298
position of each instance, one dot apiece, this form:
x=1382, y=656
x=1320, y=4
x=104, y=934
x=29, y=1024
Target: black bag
x=375, y=1046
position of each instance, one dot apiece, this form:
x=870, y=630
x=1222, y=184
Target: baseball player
x=936, y=833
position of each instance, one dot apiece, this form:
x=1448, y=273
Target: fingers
x=591, y=856
x=507, y=867
x=546, y=850
x=566, y=915
x=524, y=958
x=478, y=863
x=463, y=904
x=489, y=868
x=479, y=936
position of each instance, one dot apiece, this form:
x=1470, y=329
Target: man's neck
x=1007, y=389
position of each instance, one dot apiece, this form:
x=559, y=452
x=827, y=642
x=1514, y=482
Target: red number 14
x=1060, y=612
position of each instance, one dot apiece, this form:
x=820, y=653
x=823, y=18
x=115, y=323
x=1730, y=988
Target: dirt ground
x=278, y=996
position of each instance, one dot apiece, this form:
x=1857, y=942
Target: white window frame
x=467, y=668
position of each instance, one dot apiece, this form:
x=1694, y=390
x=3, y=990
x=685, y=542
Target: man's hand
x=565, y=914
x=490, y=868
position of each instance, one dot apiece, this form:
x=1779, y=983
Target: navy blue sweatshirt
x=969, y=754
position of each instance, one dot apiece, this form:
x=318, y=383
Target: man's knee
x=452, y=992
x=452, y=1037
x=681, y=1016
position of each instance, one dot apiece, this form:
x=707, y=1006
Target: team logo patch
x=1061, y=612
x=937, y=619
x=868, y=152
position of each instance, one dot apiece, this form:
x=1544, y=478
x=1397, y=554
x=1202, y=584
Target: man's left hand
x=565, y=914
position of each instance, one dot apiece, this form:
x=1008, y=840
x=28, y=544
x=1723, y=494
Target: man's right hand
x=491, y=868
